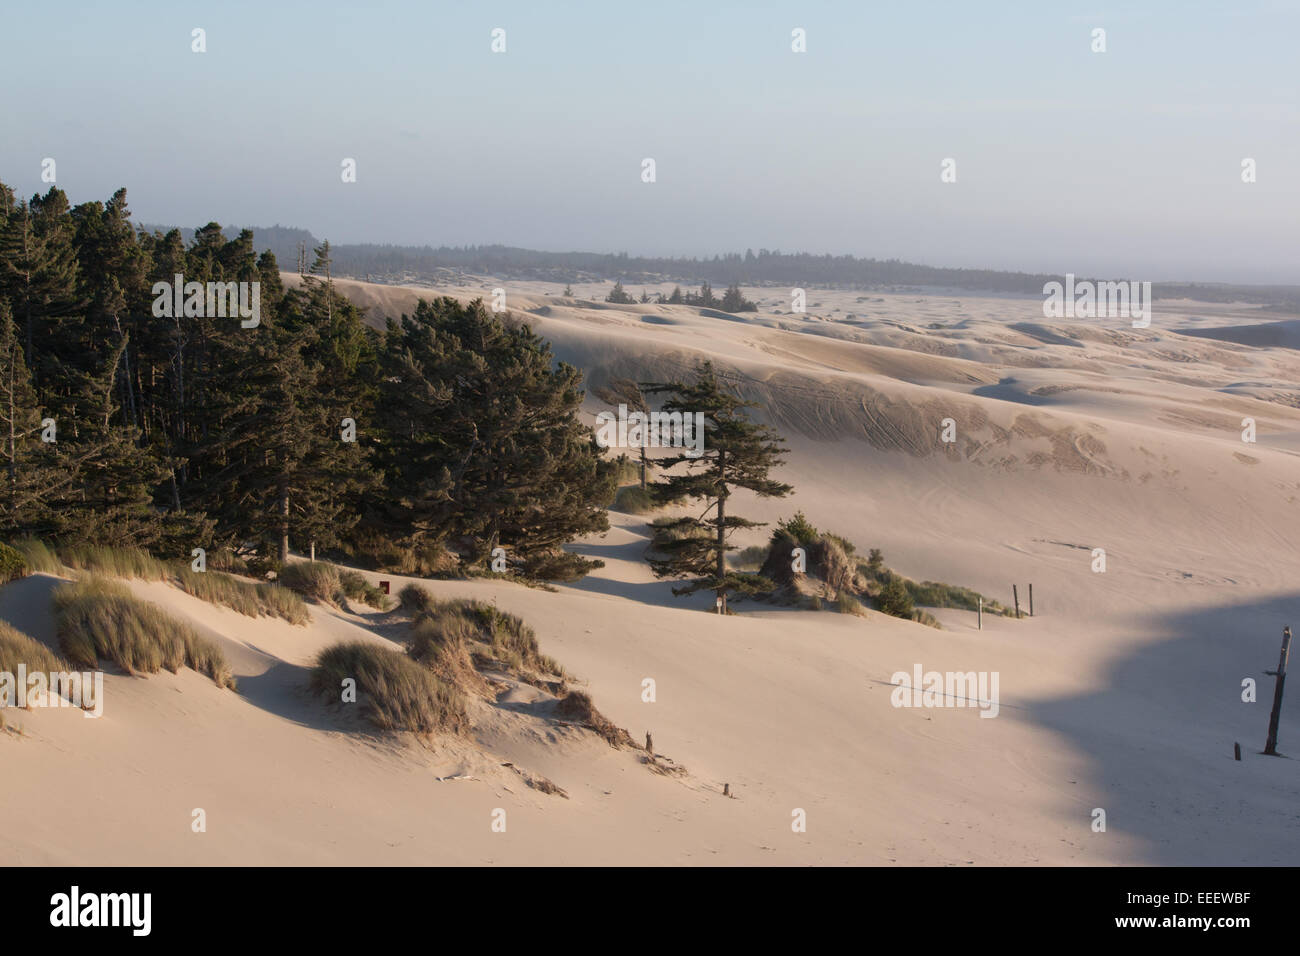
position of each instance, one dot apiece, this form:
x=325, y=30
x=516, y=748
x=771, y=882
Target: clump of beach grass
x=394, y=692
x=98, y=618
x=246, y=597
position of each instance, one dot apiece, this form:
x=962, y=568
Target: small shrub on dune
x=894, y=599
x=634, y=500
x=415, y=599
x=394, y=692
x=12, y=564
x=357, y=588
x=17, y=648
x=243, y=596
x=316, y=579
x=38, y=555
x=263, y=566
x=98, y=618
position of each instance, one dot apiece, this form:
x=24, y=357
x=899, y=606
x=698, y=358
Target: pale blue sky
x=1122, y=163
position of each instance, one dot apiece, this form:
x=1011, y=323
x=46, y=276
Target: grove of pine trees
x=452, y=429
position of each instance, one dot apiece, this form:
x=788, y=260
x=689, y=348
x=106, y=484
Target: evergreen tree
x=619, y=295
x=733, y=300
x=38, y=275
x=737, y=453
x=32, y=476
x=485, y=446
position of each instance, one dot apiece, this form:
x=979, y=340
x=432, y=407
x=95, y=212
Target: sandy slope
x=1123, y=692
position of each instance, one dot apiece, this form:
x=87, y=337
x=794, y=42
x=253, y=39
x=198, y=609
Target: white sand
x=1123, y=692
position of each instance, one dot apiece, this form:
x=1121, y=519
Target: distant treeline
x=762, y=268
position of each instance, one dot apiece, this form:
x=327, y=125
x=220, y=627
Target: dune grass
x=17, y=648
x=394, y=692
x=98, y=618
x=115, y=562
x=506, y=637
x=316, y=579
x=38, y=555
x=246, y=597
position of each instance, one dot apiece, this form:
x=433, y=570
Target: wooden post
x=1236, y=751
x=1270, y=747
x=313, y=552
x=1031, y=600
x=726, y=789
x=981, y=613
x=1015, y=593
x=649, y=744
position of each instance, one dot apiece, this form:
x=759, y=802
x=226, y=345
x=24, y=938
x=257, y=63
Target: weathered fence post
x=1031, y=600
x=1015, y=593
x=981, y=618
x=1270, y=747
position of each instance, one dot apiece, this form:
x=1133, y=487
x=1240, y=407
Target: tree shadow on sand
x=1160, y=738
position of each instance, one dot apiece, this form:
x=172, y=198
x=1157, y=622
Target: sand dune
x=1123, y=692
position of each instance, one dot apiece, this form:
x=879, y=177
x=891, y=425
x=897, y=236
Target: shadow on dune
x=282, y=689
x=1009, y=390
x=1160, y=738
x=25, y=605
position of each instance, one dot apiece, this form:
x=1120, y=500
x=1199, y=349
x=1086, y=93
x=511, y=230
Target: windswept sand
x=1122, y=693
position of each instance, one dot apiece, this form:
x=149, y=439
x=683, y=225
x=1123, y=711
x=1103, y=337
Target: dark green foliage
x=797, y=529
x=894, y=598
x=484, y=447
x=12, y=564
x=619, y=295
x=737, y=453
x=182, y=429
x=734, y=301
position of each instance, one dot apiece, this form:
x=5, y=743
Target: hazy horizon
x=1123, y=163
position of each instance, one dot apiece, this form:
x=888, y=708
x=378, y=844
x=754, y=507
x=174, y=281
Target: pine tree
x=278, y=469
x=737, y=453
x=619, y=296
x=32, y=476
x=733, y=300
x=485, y=445
x=38, y=275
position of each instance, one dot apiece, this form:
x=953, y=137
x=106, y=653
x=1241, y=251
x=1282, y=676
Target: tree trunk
x=284, y=523
x=722, y=526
